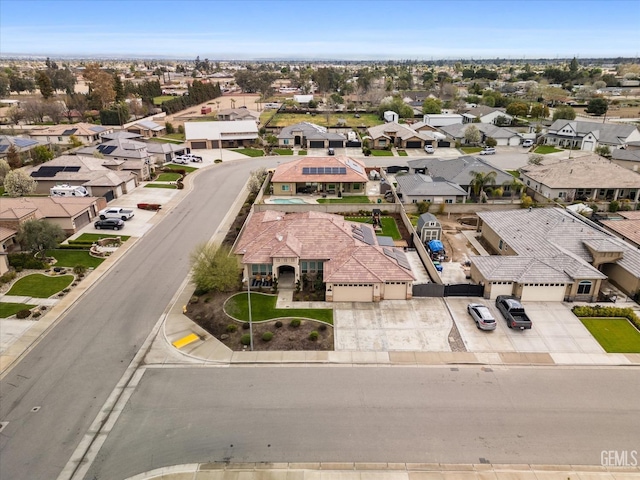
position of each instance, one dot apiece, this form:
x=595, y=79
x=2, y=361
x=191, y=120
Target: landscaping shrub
x=23, y=314
x=194, y=299
x=295, y=322
x=245, y=339
x=232, y=328
x=313, y=336
x=267, y=336
x=322, y=327
x=278, y=324
x=245, y=326
x=25, y=260
x=74, y=246
x=7, y=277
x=79, y=269
x=217, y=160
x=36, y=314
x=600, y=311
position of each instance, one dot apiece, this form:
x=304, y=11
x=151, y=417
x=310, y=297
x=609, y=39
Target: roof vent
x=279, y=237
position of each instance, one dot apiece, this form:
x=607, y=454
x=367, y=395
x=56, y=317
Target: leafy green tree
x=603, y=150
x=44, y=84
x=74, y=141
x=38, y=236
x=214, y=268
x=432, y=105
x=41, y=154
x=574, y=66
x=256, y=179
x=4, y=85
x=564, y=112
x=501, y=121
x=118, y=87
x=515, y=187
x=19, y=84
x=518, y=109
x=337, y=99
x=481, y=180
x=539, y=111
x=597, y=106
x=396, y=105
x=535, y=159
x=472, y=135
x=17, y=183
x=491, y=142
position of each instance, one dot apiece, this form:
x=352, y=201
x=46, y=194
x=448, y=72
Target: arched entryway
x=286, y=276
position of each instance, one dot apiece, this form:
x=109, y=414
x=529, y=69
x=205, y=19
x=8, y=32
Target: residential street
x=471, y=414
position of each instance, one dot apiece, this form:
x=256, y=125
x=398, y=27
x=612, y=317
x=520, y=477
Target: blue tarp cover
x=435, y=245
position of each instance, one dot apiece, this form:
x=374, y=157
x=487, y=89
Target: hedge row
x=600, y=311
x=25, y=261
x=75, y=246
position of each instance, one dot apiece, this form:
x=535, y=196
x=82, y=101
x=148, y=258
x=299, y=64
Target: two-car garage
x=365, y=292
x=543, y=292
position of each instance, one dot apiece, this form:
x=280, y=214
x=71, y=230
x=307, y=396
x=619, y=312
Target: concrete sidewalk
x=386, y=471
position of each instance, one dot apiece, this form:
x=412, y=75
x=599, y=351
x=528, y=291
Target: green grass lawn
x=350, y=199
x=168, y=177
x=615, y=335
x=302, y=152
x=389, y=227
x=283, y=151
x=161, y=185
x=175, y=166
x=249, y=152
x=40, y=286
x=263, y=307
x=470, y=150
x=94, y=237
x=8, y=309
x=286, y=119
x=161, y=98
x=71, y=258
x=175, y=136
x=544, y=149
x=402, y=153
x=381, y=153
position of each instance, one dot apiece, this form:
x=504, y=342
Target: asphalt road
x=436, y=414
x=72, y=371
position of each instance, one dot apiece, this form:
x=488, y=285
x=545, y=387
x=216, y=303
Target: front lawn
x=71, y=258
x=94, y=237
x=389, y=226
x=171, y=186
x=40, y=286
x=381, y=153
x=175, y=166
x=168, y=177
x=615, y=335
x=351, y=199
x=8, y=309
x=249, y=152
x=470, y=150
x=175, y=136
x=402, y=153
x=162, y=98
x=544, y=149
x=302, y=152
x=263, y=307
x=283, y=151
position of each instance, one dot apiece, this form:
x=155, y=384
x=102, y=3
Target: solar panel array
x=48, y=172
x=324, y=171
x=3, y=148
x=71, y=131
x=354, y=166
x=365, y=235
x=399, y=256
x=24, y=142
x=106, y=149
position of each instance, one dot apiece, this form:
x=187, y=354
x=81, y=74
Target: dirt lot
x=208, y=313
x=455, y=243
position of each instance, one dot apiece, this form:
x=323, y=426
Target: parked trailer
x=68, y=191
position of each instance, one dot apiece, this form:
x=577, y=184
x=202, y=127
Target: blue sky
x=308, y=29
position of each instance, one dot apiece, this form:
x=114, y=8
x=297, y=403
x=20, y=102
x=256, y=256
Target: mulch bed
x=208, y=313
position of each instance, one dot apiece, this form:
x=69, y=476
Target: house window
x=285, y=188
x=261, y=269
x=356, y=186
x=59, y=139
x=448, y=200
x=415, y=200
x=382, y=142
x=311, y=267
x=584, y=287
x=500, y=244
x=286, y=141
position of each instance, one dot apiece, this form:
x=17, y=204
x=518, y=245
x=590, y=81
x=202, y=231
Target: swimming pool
x=288, y=200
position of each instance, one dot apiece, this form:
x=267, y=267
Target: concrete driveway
x=555, y=330
x=420, y=324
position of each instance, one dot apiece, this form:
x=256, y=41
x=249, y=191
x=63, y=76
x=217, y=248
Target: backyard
x=389, y=226
x=346, y=199
x=365, y=120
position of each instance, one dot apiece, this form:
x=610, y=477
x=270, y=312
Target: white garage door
x=353, y=293
x=588, y=146
x=543, y=292
x=395, y=291
x=500, y=288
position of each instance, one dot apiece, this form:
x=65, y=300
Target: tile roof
x=611, y=133
x=318, y=236
x=628, y=229
x=556, y=234
x=623, y=154
x=149, y=125
x=90, y=171
x=311, y=131
x=47, y=207
x=293, y=171
x=589, y=171
x=240, y=129
x=458, y=170
x=77, y=129
x=119, y=147
x=457, y=130
x=418, y=184
x=6, y=233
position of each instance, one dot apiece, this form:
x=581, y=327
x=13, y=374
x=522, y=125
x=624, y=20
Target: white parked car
x=429, y=149
x=527, y=143
x=115, y=212
x=482, y=316
x=186, y=158
x=488, y=151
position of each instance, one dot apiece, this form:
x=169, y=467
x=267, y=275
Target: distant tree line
x=198, y=92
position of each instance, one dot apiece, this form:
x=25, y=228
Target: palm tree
x=481, y=180
x=515, y=186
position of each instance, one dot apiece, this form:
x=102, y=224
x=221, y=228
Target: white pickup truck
x=115, y=212
x=186, y=158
